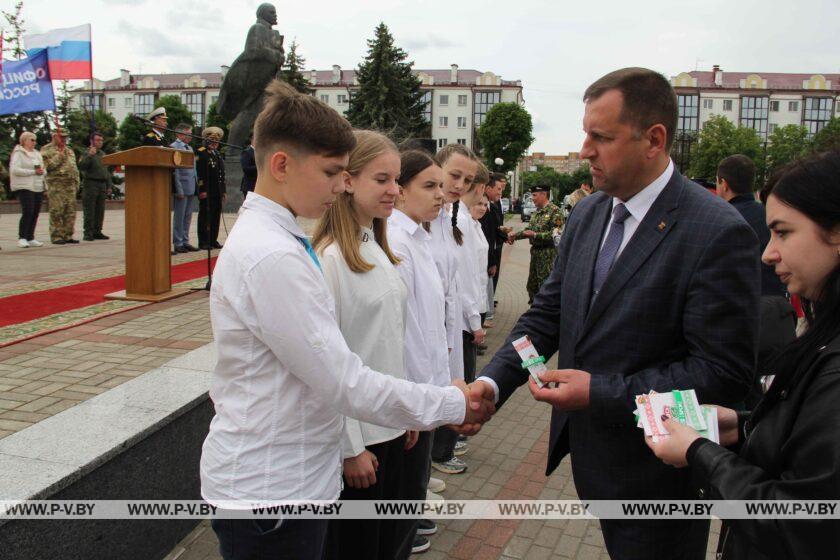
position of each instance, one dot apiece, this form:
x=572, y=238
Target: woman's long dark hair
x=812, y=186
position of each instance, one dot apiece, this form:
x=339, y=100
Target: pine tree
x=389, y=98
x=292, y=71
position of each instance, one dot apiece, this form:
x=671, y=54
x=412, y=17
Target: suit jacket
x=679, y=310
x=249, y=170
x=753, y=212
x=495, y=239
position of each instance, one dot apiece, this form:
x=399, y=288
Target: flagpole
x=92, y=104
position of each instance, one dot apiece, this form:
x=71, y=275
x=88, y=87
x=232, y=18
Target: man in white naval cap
x=155, y=136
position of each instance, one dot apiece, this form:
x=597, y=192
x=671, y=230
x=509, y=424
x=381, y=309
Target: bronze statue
x=240, y=98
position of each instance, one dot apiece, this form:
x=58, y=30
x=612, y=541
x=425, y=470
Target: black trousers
x=373, y=538
x=636, y=539
x=416, y=472
x=263, y=539
x=469, y=356
x=30, y=207
x=209, y=215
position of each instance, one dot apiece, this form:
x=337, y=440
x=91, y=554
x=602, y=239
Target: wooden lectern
x=148, y=223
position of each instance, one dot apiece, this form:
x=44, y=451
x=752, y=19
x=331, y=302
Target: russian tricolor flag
x=68, y=50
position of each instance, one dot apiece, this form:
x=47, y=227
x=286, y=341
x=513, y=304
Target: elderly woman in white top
x=26, y=178
x=370, y=304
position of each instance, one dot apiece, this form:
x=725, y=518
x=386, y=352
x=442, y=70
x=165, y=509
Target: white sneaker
x=432, y=497
x=23, y=243
x=35, y=243
x=436, y=485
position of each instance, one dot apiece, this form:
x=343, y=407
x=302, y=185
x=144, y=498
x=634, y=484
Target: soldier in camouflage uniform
x=543, y=221
x=63, y=184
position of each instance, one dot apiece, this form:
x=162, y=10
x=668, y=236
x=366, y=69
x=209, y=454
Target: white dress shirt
x=443, y=252
x=468, y=289
x=370, y=310
x=482, y=258
x=285, y=375
x=426, y=346
x=638, y=206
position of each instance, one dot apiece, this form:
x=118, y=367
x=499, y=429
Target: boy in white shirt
x=285, y=377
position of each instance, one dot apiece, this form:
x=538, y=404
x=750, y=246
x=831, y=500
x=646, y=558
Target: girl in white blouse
x=453, y=256
x=370, y=303
x=477, y=211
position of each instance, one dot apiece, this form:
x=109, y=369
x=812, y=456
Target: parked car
x=505, y=205
x=528, y=208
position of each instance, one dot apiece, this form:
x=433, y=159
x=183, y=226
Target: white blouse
x=468, y=284
x=443, y=252
x=482, y=248
x=426, y=350
x=370, y=308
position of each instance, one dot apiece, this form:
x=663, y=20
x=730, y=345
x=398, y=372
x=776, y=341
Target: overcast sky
x=556, y=48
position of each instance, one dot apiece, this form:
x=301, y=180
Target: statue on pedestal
x=240, y=98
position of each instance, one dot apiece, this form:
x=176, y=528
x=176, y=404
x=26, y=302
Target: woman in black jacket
x=788, y=448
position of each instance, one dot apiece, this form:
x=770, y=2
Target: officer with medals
x=547, y=217
x=155, y=136
x=211, y=188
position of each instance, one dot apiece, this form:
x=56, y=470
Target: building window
x=462, y=141
x=727, y=104
x=462, y=101
x=442, y=142
x=688, y=110
x=708, y=103
x=443, y=100
x=754, y=114
x=112, y=102
x=482, y=101
x=195, y=103
x=774, y=106
x=793, y=106
x=325, y=97
x=427, y=110
x=86, y=101
x=144, y=103
x=462, y=122
x=818, y=111
x=443, y=121
x=773, y=127
x=128, y=103
x=342, y=99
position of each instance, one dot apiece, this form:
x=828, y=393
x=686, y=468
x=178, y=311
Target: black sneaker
x=100, y=236
x=189, y=247
x=88, y=238
x=421, y=544
x=71, y=240
x=59, y=242
x=181, y=249
x=426, y=527
x=217, y=245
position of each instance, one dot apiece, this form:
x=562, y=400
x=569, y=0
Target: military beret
x=159, y=112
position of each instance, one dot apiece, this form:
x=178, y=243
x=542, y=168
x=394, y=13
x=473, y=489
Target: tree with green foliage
x=214, y=118
x=828, y=137
x=720, y=139
x=292, y=71
x=544, y=176
x=505, y=133
x=130, y=133
x=786, y=144
x=78, y=127
x=389, y=98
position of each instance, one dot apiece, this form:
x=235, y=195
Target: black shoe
x=189, y=247
x=181, y=250
x=203, y=247
x=88, y=238
x=71, y=240
x=100, y=236
x=421, y=544
x=59, y=242
x=217, y=245
x=426, y=527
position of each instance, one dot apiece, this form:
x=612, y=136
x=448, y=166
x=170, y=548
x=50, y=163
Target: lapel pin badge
x=661, y=226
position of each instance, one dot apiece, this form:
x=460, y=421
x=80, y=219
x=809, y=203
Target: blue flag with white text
x=25, y=86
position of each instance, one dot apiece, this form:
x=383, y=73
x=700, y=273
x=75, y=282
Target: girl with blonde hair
x=370, y=304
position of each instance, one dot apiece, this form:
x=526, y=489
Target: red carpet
x=34, y=305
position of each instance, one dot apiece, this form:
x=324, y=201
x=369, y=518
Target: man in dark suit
x=734, y=184
x=490, y=224
x=655, y=287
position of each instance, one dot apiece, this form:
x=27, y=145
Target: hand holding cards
x=682, y=406
x=531, y=360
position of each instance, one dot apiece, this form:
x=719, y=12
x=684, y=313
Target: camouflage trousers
x=542, y=261
x=62, y=211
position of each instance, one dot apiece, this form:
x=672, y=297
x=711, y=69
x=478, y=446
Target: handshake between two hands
x=480, y=399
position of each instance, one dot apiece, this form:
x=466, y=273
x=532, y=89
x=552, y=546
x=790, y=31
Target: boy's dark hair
x=301, y=123
x=649, y=99
x=739, y=173
x=93, y=135
x=495, y=177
